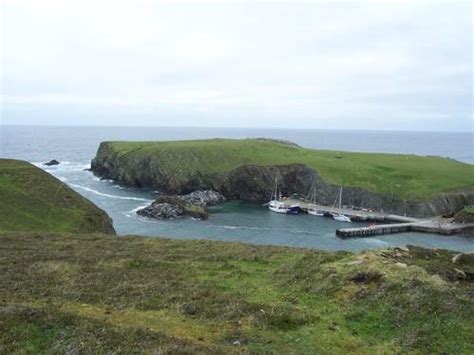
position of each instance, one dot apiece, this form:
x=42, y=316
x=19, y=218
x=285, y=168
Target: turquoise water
x=232, y=221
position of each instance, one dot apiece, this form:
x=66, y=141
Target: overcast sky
x=352, y=65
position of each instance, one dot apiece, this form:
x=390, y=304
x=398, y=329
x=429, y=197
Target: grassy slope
x=100, y=293
x=407, y=176
x=33, y=200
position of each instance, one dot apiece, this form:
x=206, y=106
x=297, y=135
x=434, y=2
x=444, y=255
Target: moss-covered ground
x=33, y=200
x=99, y=293
x=407, y=176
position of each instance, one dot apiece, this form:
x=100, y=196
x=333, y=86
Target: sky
x=405, y=65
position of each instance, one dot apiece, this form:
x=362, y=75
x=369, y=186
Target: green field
x=105, y=294
x=407, y=176
x=33, y=200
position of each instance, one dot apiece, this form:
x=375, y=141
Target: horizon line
x=236, y=127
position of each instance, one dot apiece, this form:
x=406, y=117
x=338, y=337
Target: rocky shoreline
x=190, y=205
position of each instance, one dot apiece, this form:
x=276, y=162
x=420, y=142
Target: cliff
x=246, y=169
x=33, y=200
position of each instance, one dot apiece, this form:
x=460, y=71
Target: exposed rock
x=161, y=210
x=456, y=258
x=52, y=162
x=166, y=207
x=402, y=265
x=189, y=309
x=366, y=277
x=203, y=198
x=464, y=216
x=460, y=274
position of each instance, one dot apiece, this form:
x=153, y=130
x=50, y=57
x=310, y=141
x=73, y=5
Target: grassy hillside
x=406, y=176
x=64, y=293
x=33, y=200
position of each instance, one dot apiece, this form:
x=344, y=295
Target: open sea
x=74, y=147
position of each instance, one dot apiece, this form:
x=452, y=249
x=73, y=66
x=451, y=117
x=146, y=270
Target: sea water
x=236, y=221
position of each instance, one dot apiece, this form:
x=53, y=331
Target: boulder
x=203, y=198
x=52, y=162
x=166, y=207
x=161, y=210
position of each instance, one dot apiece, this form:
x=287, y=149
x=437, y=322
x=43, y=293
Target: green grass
x=33, y=200
x=469, y=209
x=407, y=176
x=98, y=293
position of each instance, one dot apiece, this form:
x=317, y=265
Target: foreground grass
x=130, y=294
x=33, y=200
x=407, y=176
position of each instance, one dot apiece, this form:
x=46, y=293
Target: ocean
x=74, y=147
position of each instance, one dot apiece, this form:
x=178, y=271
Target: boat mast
x=340, y=197
x=275, y=191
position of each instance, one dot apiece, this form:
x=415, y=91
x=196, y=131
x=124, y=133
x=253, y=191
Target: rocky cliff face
x=255, y=183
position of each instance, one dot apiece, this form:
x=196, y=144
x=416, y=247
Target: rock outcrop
x=203, y=198
x=465, y=216
x=52, y=162
x=167, y=207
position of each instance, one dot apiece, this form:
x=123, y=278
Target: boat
x=275, y=205
x=312, y=210
x=315, y=212
x=339, y=216
x=294, y=209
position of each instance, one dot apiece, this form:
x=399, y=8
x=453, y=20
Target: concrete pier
x=435, y=225
x=393, y=223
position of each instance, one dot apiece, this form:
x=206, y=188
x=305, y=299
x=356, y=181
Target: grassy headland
x=98, y=293
x=409, y=177
x=33, y=200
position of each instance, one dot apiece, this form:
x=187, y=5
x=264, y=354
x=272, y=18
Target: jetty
x=392, y=223
x=445, y=226
x=355, y=215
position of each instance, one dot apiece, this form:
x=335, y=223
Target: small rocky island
x=191, y=205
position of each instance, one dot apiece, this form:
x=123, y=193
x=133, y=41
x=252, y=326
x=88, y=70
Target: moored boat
x=294, y=209
x=339, y=216
x=313, y=210
x=275, y=205
x=316, y=212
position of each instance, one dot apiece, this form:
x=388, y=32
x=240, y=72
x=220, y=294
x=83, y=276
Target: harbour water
x=74, y=147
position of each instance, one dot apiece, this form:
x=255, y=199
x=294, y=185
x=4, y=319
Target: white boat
x=316, y=212
x=313, y=210
x=339, y=216
x=275, y=205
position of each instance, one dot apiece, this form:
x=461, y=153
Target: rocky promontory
x=247, y=169
x=191, y=205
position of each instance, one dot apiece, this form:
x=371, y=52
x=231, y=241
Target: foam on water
x=108, y=195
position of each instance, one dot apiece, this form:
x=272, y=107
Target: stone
x=189, y=309
x=161, y=210
x=456, y=258
x=366, y=277
x=402, y=265
x=52, y=162
x=461, y=275
x=203, y=198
